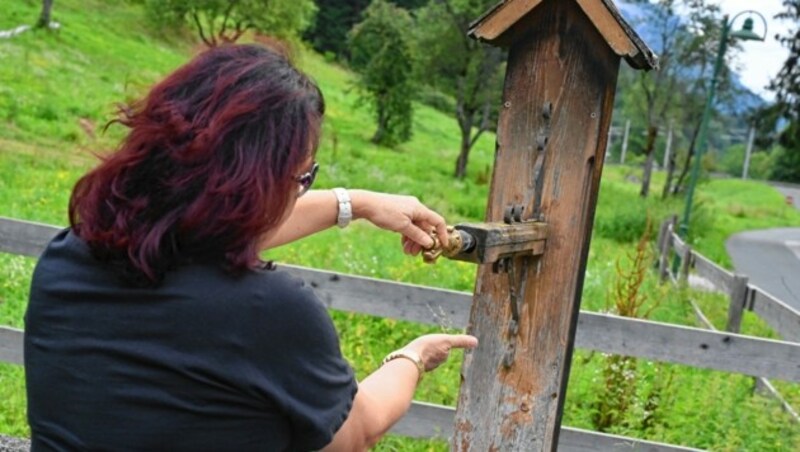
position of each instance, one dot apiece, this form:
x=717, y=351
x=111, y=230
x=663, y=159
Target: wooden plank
x=425, y=420
x=738, y=298
x=25, y=237
x=687, y=259
x=450, y=308
x=500, y=18
x=721, y=279
x=11, y=345
x=700, y=316
x=552, y=133
x=609, y=27
x=678, y=244
x=578, y=440
x=496, y=24
x=598, y=332
x=784, y=319
x=690, y=346
x=401, y=301
x=664, y=248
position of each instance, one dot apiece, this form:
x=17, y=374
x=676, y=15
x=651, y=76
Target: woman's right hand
x=433, y=349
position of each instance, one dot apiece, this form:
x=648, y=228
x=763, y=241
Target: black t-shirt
x=204, y=361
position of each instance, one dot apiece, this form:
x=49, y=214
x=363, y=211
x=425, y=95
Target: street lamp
x=745, y=34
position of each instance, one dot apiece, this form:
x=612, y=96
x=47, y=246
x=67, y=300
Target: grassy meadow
x=58, y=89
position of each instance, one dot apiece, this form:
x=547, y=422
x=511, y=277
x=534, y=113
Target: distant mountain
x=637, y=14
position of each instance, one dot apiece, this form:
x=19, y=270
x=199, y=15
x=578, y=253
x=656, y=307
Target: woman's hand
x=434, y=349
x=403, y=214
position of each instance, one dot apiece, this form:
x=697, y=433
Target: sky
x=759, y=61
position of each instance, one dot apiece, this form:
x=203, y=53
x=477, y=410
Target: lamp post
x=746, y=34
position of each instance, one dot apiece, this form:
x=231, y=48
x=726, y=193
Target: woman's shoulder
x=277, y=289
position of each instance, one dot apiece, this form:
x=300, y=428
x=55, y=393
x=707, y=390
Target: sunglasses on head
x=306, y=180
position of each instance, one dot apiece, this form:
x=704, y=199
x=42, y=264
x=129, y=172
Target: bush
x=622, y=213
x=436, y=99
x=732, y=161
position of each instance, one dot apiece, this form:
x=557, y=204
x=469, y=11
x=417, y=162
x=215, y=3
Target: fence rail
x=742, y=296
x=695, y=347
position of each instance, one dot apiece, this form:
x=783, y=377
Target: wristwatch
x=409, y=355
x=345, y=207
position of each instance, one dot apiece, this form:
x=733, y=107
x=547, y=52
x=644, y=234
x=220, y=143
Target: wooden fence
x=723, y=351
x=742, y=295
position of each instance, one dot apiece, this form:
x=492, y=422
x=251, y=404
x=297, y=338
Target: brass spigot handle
x=455, y=244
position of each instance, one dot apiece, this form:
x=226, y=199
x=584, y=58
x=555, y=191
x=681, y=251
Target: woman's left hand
x=403, y=214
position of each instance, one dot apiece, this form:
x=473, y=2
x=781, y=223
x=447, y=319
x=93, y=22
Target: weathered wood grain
x=664, y=248
x=11, y=345
x=687, y=260
x=738, y=297
x=25, y=237
x=497, y=26
x=690, y=346
x=425, y=420
x=499, y=19
x=721, y=279
x=548, y=160
x=678, y=244
x=393, y=300
x=784, y=319
x=609, y=28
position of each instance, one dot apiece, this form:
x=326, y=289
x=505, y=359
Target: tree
x=334, y=20
x=655, y=90
x=381, y=52
x=787, y=88
x=704, y=30
x=224, y=21
x=685, y=36
x=44, y=16
x=460, y=66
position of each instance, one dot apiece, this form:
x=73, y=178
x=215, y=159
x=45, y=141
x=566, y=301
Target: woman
x=154, y=325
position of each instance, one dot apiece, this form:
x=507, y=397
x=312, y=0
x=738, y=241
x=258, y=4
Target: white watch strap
x=345, y=207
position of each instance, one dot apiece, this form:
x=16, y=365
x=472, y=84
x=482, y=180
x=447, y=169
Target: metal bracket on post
x=487, y=243
x=516, y=284
x=499, y=244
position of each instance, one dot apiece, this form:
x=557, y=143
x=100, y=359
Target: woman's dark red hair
x=207, y=168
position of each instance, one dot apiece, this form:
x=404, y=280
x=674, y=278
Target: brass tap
x=455, y=245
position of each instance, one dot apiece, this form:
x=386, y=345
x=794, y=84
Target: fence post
x=738, y=298
x=551, y=139
x=664, y=247
x=686, y=263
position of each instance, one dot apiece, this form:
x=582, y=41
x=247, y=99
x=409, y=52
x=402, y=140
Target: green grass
x=106, y=53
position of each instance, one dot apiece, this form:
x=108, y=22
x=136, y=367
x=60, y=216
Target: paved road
x=771, y=257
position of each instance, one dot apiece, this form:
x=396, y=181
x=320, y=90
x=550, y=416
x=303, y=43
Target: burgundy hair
x=207, y=168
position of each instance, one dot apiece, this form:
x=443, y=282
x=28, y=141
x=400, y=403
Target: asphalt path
x=771, y=257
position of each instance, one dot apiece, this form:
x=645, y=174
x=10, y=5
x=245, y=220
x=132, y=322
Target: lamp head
x=746, y=33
